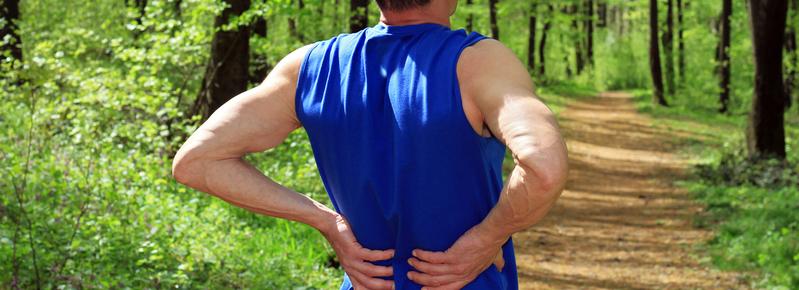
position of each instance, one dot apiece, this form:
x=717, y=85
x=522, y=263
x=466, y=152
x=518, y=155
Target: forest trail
x=620, y=223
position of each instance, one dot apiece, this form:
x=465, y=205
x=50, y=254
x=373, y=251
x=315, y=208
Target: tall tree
x=724, y=56
x=10, y=13
x=668, y=47
x=492, y=11
x=602, y=12
x=470, y=18
x=589, y=27
x=359, y=17
x=260, y=62
x=177, y=7
x=766, y=132
x=227, y=71
x=141, y=7
x=654, y=54
x=624, y=21
x=294, y=19
x=680, y=40
x=579, y=54
x=792, y=73
x=531, y=38
x=542, y=44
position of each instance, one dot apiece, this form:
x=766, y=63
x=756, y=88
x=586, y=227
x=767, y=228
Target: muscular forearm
x=524, y=201
x=239, y=183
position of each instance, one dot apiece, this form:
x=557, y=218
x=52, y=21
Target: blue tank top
x=395, y=151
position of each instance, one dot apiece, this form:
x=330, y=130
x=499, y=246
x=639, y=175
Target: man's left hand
x=459, y=265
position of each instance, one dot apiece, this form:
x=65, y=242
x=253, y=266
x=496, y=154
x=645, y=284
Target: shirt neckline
x=410, y=28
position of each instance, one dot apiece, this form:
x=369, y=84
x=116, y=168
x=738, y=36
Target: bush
x=754, y=205
x=735, y=168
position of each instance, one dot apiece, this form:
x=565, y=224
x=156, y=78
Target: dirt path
x=620, y=224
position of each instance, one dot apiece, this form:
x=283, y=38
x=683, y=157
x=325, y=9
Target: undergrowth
x=752, y=204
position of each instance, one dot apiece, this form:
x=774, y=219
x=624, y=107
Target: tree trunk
x=543, y=42
x=603, y=14
x=260, y=62
x=680, y=41
x=579, y=60
x=492, y=9
x=292, y=23
x=766, y=132
x=470, y=18
x=654, y=54
x=589, y=26
x=724, y=56
x=227, y=72
x=359, y=17
x=142, y=6
x=10, y=12
x=531, y=39
x=668, y=47
x=792, y=73
x=177, y=6
x=623, y=25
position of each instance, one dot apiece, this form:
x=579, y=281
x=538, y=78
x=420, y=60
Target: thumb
x=499, y=260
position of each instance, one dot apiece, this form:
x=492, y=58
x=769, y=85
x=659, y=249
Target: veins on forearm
x=239, y=183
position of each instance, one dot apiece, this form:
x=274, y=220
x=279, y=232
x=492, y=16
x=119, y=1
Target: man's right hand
x=355, y=259
x=459, y=265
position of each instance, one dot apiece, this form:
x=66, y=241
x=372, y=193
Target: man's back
x=393, y=142
x=395, y=150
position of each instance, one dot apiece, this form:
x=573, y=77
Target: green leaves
x=103, y=109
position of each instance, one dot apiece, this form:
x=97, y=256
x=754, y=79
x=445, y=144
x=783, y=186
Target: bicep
x=255, y=120
x=503, y=91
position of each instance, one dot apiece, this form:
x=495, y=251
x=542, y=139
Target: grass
x=752, y=205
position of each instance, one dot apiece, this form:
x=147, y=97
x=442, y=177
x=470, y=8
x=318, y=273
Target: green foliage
x=90, y=120
x=737, y=169
x=757, y=228
x=93, y=113
x=751, y=203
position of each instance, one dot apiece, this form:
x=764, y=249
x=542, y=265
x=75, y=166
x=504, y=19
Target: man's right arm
x=494, y=80
x=501, y=88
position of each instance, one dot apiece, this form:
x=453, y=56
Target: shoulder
x=490, y=61
x=289, y=67
x=490, y=72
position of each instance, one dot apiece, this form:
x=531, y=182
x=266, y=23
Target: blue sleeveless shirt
x=395, y=151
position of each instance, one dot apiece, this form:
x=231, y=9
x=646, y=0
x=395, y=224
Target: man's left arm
x=212, y=161
x=256, y=120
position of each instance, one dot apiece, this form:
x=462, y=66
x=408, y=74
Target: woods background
x=98, y=95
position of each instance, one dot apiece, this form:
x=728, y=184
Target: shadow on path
x=621, y=223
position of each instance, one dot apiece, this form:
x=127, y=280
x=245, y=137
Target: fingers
x=372, y=270
x=431, y=280
x=369, y=282
x=430, y=268
x=375, y=255
x=433, y=257
x=499, y=261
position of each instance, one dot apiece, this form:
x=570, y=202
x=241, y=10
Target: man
x=408, y=121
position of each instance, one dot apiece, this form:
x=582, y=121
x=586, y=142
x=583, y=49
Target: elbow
x=554, y=181
x=179, y=171
x=549, y=169
x=184, y=170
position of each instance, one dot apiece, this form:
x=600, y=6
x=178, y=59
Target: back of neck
x=413, y=16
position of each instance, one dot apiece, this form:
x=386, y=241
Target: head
x=399, y=11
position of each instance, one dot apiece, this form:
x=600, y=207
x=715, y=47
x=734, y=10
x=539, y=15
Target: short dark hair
x=399, y=5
